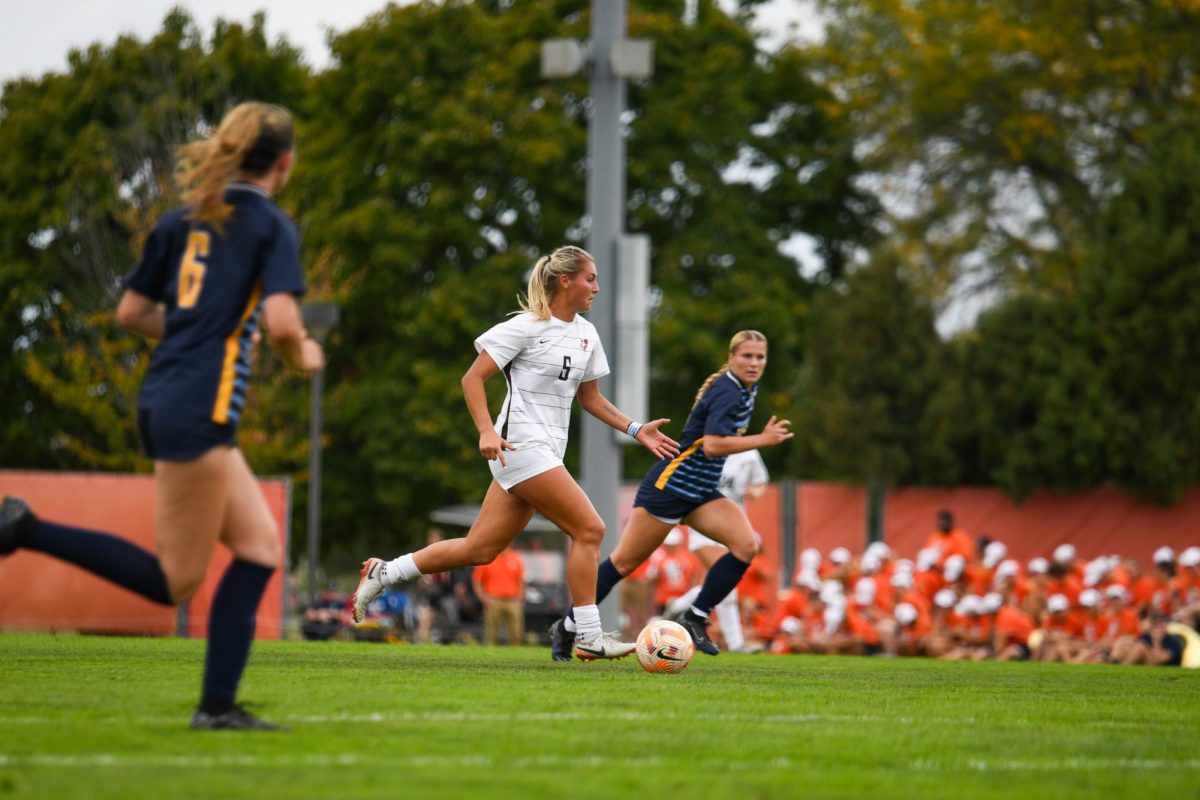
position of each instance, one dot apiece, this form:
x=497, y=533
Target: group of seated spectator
x=957, y=601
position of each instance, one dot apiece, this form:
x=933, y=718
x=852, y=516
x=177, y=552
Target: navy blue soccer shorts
x=168, y=436
x=667, y=506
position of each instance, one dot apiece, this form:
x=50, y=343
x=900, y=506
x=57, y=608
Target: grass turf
x=88, y=716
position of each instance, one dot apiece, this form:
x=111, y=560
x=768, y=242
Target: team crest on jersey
x=583, y=344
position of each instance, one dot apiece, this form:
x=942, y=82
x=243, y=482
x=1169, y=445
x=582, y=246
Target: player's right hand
x=312, y=356
x=776, y=431
x=493, y=447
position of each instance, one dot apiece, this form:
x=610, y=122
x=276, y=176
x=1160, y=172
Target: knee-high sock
x=231, y=631
x=722, y=578
x=730, y=618
x=110, y=557
x=607, y=578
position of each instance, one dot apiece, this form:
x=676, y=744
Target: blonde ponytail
x=543, y=281
x=250, y=139
x=739, y=338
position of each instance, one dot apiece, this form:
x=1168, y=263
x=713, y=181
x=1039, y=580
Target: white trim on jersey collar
x=249, y=187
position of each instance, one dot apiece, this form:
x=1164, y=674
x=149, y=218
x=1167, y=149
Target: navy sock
x=722, y=578
x=110, y=557
x=230, y=632
x=606, y=578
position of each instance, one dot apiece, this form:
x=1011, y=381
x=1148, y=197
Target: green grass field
x=107, y=717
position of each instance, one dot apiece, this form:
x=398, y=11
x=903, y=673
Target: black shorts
x=667, y=506
x=166, y=436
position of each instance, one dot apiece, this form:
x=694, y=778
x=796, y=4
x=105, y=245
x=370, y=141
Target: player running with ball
x=684, y=488
x=548, y=355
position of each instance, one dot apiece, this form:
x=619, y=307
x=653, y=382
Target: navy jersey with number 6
x=212, y=285
x=724, y=410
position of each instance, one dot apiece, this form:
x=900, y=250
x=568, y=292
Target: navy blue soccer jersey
x=724, y=410
x=213, y=285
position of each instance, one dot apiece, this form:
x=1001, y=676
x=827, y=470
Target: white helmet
x=1064, y=553
x=1057, y=602
x=945, y=598
x=952, y=570
x=864, y=591
x=839, y=555
x=1164, y=555
x=994, y=553
x=906, y=613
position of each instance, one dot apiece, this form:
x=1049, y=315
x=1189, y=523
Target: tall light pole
x=319, y=319
x=613, y=59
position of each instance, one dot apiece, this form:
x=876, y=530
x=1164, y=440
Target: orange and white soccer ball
x=664, y=646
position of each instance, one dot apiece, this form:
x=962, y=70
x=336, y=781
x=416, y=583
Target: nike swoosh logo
x=542, y=341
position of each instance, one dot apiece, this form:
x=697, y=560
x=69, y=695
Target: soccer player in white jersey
x=744, y=475
x=548, y=354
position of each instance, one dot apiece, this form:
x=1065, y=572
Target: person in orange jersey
x=1061, y=629
x=1011, y=632
x=949, y=540
x=500, y=587
x=674, y=570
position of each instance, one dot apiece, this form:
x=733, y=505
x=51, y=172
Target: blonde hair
x=739, y=339
x=546, y=272
x=250, y=139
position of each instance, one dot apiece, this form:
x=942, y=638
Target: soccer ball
x=664, y=646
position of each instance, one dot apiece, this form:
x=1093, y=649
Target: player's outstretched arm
x=648, y=435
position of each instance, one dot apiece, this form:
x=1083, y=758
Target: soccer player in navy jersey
x=549, y=354
x=684, y=488
x=209, y=272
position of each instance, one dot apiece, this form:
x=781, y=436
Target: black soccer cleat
x=235, y=719
x=697, y=628
x=562, y=641
x=16, y=520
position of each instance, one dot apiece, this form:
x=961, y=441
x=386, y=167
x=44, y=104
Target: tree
x=85, y=165
x=994, y=129
x=437, y=173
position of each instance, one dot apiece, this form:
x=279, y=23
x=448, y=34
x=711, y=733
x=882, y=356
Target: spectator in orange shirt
x=912, y=626
x=674, y=569
x=1011, y=632
x=1061, y=579
x=500, y=587
x=950, y=541
x=1060, y=630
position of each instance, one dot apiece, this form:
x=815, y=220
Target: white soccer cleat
x=370, y=586
x=606, y=645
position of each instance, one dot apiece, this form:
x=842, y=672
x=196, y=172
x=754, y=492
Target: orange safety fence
x=38, y=592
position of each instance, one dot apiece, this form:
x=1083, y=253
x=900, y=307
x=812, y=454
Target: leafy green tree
x=85, y=165
x=995, y=129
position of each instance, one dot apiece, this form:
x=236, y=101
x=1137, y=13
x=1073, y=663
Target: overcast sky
x=36, y=35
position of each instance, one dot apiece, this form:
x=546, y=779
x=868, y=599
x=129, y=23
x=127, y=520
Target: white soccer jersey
x=544, y=361
x=741, y=471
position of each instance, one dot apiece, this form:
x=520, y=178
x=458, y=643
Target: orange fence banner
x=41, y=593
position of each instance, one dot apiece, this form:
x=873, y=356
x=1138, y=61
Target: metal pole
x=605, y=205
x=314, y=482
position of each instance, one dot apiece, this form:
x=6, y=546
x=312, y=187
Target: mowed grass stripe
x=382, y=721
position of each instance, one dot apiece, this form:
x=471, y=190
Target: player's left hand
x=657, y=442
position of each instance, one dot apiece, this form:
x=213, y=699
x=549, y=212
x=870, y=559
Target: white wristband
x=633, y=429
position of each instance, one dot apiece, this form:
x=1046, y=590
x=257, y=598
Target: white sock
x=698, y=612
x=587, y=623
x=569, y=624
x=731, y=621
x=680, y=604
x=400, y=570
